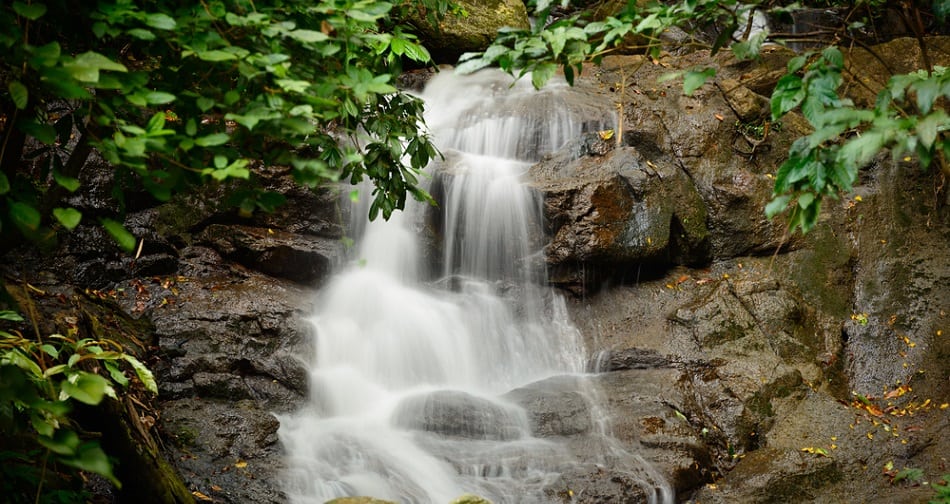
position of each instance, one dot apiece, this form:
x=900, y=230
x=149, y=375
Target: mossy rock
x=472, y=28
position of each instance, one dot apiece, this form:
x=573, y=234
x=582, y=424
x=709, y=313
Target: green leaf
x=787, y=95
x=63, y=442
x=86, y=66
x=145, y=376
x=117, y=375
x=68, y=217
x=156, y=123
x=4, y=184
x=24, y=215
x=927, y=92
x=141, y=34
x=928, y=127
x=777, y=205
x=11, y=316
x=123, y=237
x=806, y=199
x=69, y=183
x=159, y=97
x=19, y=94
x=31, y=11
x=693, y=80
x=749, y=49
x=204, y=103
x=90, y=457
x=308, y=35
x=46, y=55
x=216, y=55
x=41, y=131
x=858, y=152
x=160, y=21
x=542, y=73
x=212, y=140
x=87, y=388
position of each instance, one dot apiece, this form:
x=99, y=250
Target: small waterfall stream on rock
x=427, y=381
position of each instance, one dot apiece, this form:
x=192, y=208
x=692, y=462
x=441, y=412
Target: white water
x=408, y=376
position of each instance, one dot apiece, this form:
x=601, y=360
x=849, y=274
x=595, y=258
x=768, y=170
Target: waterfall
x=416, y=367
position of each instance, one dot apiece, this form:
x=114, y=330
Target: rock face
x=773, y=368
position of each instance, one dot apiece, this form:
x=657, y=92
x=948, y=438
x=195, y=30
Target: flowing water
x=415, y=364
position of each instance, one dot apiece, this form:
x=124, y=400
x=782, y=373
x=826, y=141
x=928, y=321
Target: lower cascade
x=429, y=382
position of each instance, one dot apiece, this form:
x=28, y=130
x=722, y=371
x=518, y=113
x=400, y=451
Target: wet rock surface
x=766, y=368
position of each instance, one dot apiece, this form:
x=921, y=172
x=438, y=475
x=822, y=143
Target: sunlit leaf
x=68, y=217
x=122, y=236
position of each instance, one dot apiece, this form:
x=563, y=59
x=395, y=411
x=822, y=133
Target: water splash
x=412, y=381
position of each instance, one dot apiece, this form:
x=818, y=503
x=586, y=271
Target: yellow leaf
x=240, y=464
x=201, y=496
x=606, y=134
x=870, y=435
x=857, y=198
x=944, y=406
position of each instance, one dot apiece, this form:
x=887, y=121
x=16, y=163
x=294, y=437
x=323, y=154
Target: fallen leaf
x=240, y=464
x=201, y=496
x=719, y=117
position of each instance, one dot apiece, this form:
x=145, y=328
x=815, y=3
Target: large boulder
x=471, y=26
x=619, y=211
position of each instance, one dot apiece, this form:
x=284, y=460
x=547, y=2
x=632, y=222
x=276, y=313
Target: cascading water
x=412, y=378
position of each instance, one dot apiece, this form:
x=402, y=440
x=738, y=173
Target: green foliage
x=569, y=43
x=41, y=383
x=826, y=162
x=941, y=491
x=909, y=119
x=176, y=94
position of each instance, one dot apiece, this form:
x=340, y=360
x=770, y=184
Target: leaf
x=19, y=94
x=117, y=375
x=69, y=183
x=787, y=95
x=41, y=131
x=777, y=205
x=308, y=35
x=4, y=184
x=212, y=140
x=24, y=215
x=123, y=237
x=68, y=217
x=749, y=49
x=141, y=34
x=542, y=73
x=159, y=97
x=86, y=66
x=928, y=126
x=908, y=473
x=87, y=388
x=144, y=374
x=204, y=103
x=11, y=316
x=31, y=11
x=160, y=21
x=62, y=442
x=90, y=457
x=693, y=80
x=216, y=55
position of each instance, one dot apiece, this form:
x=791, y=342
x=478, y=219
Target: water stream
x=418, y=367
